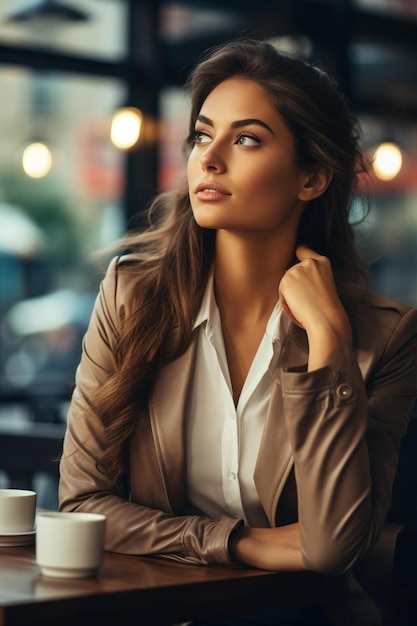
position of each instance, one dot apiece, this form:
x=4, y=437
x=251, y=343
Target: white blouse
x=222, y=441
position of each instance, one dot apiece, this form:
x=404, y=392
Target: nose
x=212, y=159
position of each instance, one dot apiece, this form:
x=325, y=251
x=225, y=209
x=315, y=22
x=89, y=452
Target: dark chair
x=29, y=455
x=389, y=571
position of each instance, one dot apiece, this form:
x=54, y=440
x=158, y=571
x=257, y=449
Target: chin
x=206, y=219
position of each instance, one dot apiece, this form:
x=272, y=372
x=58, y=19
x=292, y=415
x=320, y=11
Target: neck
x=247, y=271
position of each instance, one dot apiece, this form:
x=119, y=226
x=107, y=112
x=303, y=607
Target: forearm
x=276, y=549
x=328, y=342
x=136, y=529
x=145, y=526
x=326, y=417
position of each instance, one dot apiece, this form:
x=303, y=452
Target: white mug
x=17, y=511
x=70, y=545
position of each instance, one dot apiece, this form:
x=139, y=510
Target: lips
x=211, y=191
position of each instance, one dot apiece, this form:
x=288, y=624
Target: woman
x=240, y=398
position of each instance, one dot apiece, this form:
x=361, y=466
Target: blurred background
x=92, y=119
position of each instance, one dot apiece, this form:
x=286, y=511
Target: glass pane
x=377, y=67
x=93, y=27
x=180, y=22
x=174, y=107
x=390, y=231
x=406, y=7
x=51, y=220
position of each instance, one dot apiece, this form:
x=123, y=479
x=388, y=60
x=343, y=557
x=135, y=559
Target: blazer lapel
x=275, y=460
x=167, y=413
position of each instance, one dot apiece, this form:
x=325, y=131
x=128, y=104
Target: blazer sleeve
x=132, y=528
x=345, y=433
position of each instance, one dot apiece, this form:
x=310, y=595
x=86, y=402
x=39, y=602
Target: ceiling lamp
x=28, y=10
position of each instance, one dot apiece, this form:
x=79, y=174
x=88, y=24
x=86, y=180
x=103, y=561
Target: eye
x=247, y=139
x=201, y=138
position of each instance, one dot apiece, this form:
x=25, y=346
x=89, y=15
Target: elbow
x=335, y=552
x=330, y=560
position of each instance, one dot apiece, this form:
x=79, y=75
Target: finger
x=287, y=311
x=304, y=252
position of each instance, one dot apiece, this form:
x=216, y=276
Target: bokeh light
x=37, y=160
x=387, y=161
x=126, y=127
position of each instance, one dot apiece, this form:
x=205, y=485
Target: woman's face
x=242, y=173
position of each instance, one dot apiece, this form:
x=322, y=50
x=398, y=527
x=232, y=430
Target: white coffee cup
x=70, y=545
x=17, y=511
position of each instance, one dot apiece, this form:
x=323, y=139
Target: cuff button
x=344, y=391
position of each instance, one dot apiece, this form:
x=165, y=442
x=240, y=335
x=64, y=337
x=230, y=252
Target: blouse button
x=344, y=391
x=232, y=475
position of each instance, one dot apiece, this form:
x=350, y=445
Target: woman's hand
x=277, y=549
x=309, y=297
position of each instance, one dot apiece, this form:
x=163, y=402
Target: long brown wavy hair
x=174, y=255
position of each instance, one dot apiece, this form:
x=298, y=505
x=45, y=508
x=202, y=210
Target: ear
x=315, y=183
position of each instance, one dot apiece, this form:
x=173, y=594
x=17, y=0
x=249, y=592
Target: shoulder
x=378, y=319
x=118, y=284
x=122, y=270
x=381, y=309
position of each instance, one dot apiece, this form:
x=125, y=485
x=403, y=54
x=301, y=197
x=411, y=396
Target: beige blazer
x=327, y=458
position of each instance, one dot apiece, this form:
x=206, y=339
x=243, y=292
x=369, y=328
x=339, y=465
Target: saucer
x=68, y=572
x=17, y=539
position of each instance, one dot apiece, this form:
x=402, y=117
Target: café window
x=61, y=184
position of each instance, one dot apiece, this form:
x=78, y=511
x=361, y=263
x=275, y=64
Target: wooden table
x=138, y=590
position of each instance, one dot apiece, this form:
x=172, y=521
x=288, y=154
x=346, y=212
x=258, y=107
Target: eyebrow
x=238, y=123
